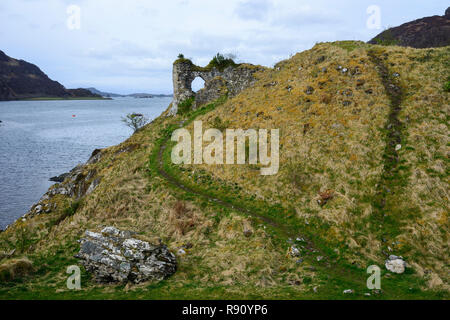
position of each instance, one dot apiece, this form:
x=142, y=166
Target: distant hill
x=22, y=80
x=104, y=94
x=141, y=95
x=427, y=32
x=135, y=95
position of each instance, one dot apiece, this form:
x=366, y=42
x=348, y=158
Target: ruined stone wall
x=231, y=80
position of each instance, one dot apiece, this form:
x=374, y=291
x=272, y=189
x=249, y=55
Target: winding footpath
x=175, y=182
x=390, y=174
x=324, y=265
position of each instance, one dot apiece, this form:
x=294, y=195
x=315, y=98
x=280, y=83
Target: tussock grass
x=15, y=268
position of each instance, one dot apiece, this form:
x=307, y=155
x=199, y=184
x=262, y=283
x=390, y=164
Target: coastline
x=80, y=166
x=37, y=207
x=58, y=98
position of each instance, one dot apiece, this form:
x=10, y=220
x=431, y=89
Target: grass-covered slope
x=343, y=110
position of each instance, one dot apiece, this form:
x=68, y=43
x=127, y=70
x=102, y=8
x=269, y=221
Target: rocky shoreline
x=76, y=184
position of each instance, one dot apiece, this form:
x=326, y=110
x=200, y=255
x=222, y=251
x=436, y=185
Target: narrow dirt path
x=388, y=185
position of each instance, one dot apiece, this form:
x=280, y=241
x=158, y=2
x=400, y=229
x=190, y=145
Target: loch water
x=42, y=139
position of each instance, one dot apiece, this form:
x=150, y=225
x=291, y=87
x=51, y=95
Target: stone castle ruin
x=230, y=80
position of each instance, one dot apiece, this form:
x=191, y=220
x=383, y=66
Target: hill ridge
x=426, y=32
x=20, y=79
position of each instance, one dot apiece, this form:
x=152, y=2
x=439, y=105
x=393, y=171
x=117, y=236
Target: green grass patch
x=185, y=106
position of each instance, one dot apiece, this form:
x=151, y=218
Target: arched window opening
x=197, y=84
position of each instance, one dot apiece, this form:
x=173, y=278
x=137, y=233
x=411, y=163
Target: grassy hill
x=363, y=127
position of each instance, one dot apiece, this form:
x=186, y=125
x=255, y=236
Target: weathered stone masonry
x=231, y=80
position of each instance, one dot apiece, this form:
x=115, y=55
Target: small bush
x=219, y=124
x=135, y=121
x=186, y=105
x=307, y=280
x=181, y=217
x=15, y=269
x=68, y=212
x=221, y=62
x=182, y=59
x=24, y=238
x=447, y=86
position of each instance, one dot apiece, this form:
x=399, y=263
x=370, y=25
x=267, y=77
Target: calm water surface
x=42, y=139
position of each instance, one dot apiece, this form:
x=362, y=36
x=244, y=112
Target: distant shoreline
x=59, y=98
x=84, y=98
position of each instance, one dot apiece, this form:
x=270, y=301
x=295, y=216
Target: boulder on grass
x=395, y=264
x=114, y=256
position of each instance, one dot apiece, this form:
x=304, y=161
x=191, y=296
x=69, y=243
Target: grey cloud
x=131, y=46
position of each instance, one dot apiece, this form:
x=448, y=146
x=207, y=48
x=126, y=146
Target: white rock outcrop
x=395, y=264
x=114, y=256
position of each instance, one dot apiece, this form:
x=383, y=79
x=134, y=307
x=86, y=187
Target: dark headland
x=20, y=80
x=428, y=32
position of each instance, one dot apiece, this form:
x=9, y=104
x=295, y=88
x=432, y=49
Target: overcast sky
x=128, y=46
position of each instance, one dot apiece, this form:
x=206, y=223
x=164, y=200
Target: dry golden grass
x=425, y=112
x=326, y=145
x=15, y=268
x=182, y=218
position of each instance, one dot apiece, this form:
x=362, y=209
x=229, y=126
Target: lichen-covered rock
x=59, y=178
x=294, y=251
x=114, y=256
x=95, y=156
x=395, y=264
